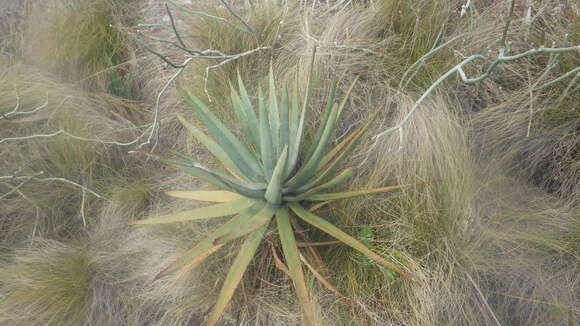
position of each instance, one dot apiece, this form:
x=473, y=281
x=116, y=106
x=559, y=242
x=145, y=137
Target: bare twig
x=216, y=18
x=36, y=177
x=248, y=28
x=562, y=77
x=227, y=60
x=66, y=133
x=155, y=126
x=16, y=112
x=459, y=69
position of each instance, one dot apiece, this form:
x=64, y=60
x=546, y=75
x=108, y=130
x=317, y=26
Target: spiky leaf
x=223, y=136
x=199, y=252
x=236, y=273
x=274, y=192
x=337, y=233
x=216, y=196
x=266, y=145
x=292, y=257
x=252, y=224
x=218, y=210
x=350, y=194
x=213, y=147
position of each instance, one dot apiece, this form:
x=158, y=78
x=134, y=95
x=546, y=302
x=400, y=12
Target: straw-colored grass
x=45, y=284
x=84, y=42
x=490, y=226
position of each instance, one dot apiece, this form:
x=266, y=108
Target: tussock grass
x=46, y=284
x=425, y=227
x=533, y=279
x=487, y=245
x=31, y=210
x=83, y=41
x=540, y=137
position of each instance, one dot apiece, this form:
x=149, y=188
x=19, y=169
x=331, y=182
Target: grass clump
x=83, y=41
x=34, y=104
x=46, y=284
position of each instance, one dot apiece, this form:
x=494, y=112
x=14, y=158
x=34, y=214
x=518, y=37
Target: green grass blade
x=213, y=147
x=338, y=234
x=200, y=251
x=305, y=194
x=292, y=257
x=227, y=140
x=255, y=222
x=309, y=169
x=266, y=146
x=218, y=210
x=274, y=115
x=249, y=109
x=350, y=194
x=236, y=273
x=274, y=191
x=216, y=196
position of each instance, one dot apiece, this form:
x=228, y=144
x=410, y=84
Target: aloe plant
x=273, y=177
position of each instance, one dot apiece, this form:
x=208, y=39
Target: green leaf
x=346, y=96
x=223, y=136
x=337, y=233
x=299, y=134
x=236, y=273
x=274, y=192
x=216, y=196
x=202, y=249
x=199, y=213
x=324, y=120
x=214, y=148
x=195, y=171
x=305, y=194
x=292, y=257
x=240, y=110
x=309, y=169
x=253, y=223
x=331, y=161
x=284, y=123
x=274, y=115
x=294, y=137
x=249, y=111
x=340, y=151
x=350, y=194
x=266, y=147
x=225, y=181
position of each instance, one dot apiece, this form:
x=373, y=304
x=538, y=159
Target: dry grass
x=94, y=53
x=490, y=228
x=30, y=210
x=45, y=284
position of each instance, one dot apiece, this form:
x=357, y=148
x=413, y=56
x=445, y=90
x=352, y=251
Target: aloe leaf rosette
x=268, y=177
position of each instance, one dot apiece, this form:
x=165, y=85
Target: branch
x=155, y=125
x=229, y=59
x=35, y=177
x=459, y=68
